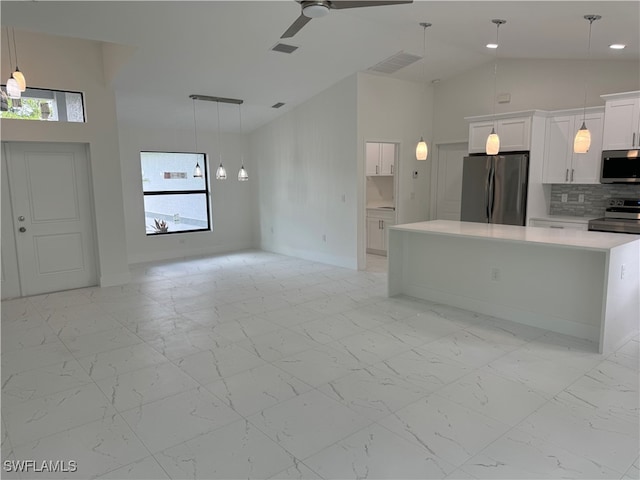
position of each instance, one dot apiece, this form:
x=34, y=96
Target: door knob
x=21, y=218
x=22, y=229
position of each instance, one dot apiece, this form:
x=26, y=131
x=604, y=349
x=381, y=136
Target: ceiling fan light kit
x=315, y=9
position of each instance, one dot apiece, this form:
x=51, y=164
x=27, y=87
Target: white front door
x=51, y=210
x=449, y=183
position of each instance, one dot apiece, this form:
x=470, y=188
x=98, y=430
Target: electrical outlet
x=413, y=195
x=581, y=198
x=415, y=174
x=495, y=274
x=564, y=198
x=623, y=271
x=181, y=241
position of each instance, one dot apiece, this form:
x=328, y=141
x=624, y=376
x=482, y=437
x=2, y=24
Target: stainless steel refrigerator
x=494, y=188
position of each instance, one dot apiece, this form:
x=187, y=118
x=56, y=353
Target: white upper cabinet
x=622, y=121
x=561, y=164
x=380, y=158
x=514, y=133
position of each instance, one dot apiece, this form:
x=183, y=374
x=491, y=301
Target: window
x=174, y=200
x=45, y=105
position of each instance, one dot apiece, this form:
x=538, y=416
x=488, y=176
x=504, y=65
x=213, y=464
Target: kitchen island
x=584, y=284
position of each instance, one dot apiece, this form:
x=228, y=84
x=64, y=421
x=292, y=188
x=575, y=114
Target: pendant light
x=243, y=176
x=582, y=141
x=197, y=172
x=221, y=172
x=22, y=82
x=13, y=87
x=492, y=146
x=421, y=149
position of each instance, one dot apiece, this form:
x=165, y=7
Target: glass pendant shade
x=197, y=173
x=221, y=173
x=13, y=88
x=493, y=143
x=421, y=150
x=582, y=142
x=22, y=82
x=243, y=176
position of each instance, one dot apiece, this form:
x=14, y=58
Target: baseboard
x=188, y=252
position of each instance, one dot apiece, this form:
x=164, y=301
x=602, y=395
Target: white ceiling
x=223, y=48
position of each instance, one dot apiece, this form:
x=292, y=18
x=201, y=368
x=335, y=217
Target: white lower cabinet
x=378, y=223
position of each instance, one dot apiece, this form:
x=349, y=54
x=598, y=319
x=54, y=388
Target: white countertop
x=564, y=238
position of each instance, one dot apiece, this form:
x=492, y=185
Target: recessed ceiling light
x=492, y=45
x=617, y=46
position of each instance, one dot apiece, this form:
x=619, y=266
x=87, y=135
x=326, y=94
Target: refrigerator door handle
x=487, y=193
x=492, y=192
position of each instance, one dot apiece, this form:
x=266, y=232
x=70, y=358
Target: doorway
x=48, y=240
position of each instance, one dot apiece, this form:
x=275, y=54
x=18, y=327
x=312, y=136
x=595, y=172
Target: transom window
x=176, y=199
x=45, y=105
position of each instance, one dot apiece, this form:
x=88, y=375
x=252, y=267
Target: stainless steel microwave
x=620, y=166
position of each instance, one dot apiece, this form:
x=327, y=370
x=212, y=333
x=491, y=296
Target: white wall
x=232, y=201
x=306, y=163
x=70, y=64
x=533, y=84
x=396, y=111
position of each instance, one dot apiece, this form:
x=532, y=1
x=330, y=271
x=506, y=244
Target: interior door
x=52, y=216
x=10, y=277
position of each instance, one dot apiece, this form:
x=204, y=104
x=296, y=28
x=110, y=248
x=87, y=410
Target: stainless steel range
x=622, y=215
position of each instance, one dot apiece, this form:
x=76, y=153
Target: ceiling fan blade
x=342, y=4
x=295, y=27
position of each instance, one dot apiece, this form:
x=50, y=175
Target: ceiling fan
x=320, y=8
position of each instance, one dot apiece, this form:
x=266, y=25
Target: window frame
x=206, y=191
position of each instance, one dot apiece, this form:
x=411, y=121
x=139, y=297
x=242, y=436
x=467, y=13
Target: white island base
x=583, y=284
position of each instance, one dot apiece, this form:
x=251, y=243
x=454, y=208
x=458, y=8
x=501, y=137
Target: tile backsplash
x=595, y=198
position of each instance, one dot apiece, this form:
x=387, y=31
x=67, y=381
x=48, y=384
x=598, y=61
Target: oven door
x=620, y=166
x=617, y=225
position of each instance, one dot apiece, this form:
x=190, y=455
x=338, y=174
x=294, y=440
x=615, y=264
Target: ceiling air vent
x=284, y=48
x=277, y=105
x=395, y=63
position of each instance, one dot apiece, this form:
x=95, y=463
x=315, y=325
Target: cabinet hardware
x=572, y=174
x=633, y=142
x=555, y=226
x=566, y=176
x=377, y=170
x=392, y=169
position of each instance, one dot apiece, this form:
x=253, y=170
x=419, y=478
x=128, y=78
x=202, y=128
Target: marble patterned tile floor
x=256, y=365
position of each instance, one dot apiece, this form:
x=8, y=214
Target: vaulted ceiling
x=224, y=48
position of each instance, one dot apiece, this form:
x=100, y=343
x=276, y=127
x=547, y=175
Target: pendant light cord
x=584, y=105
x=495, y=71
x=195, y=127
x=9, y=46
x=219, y=143
x=15, y=47
x=241, y=149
